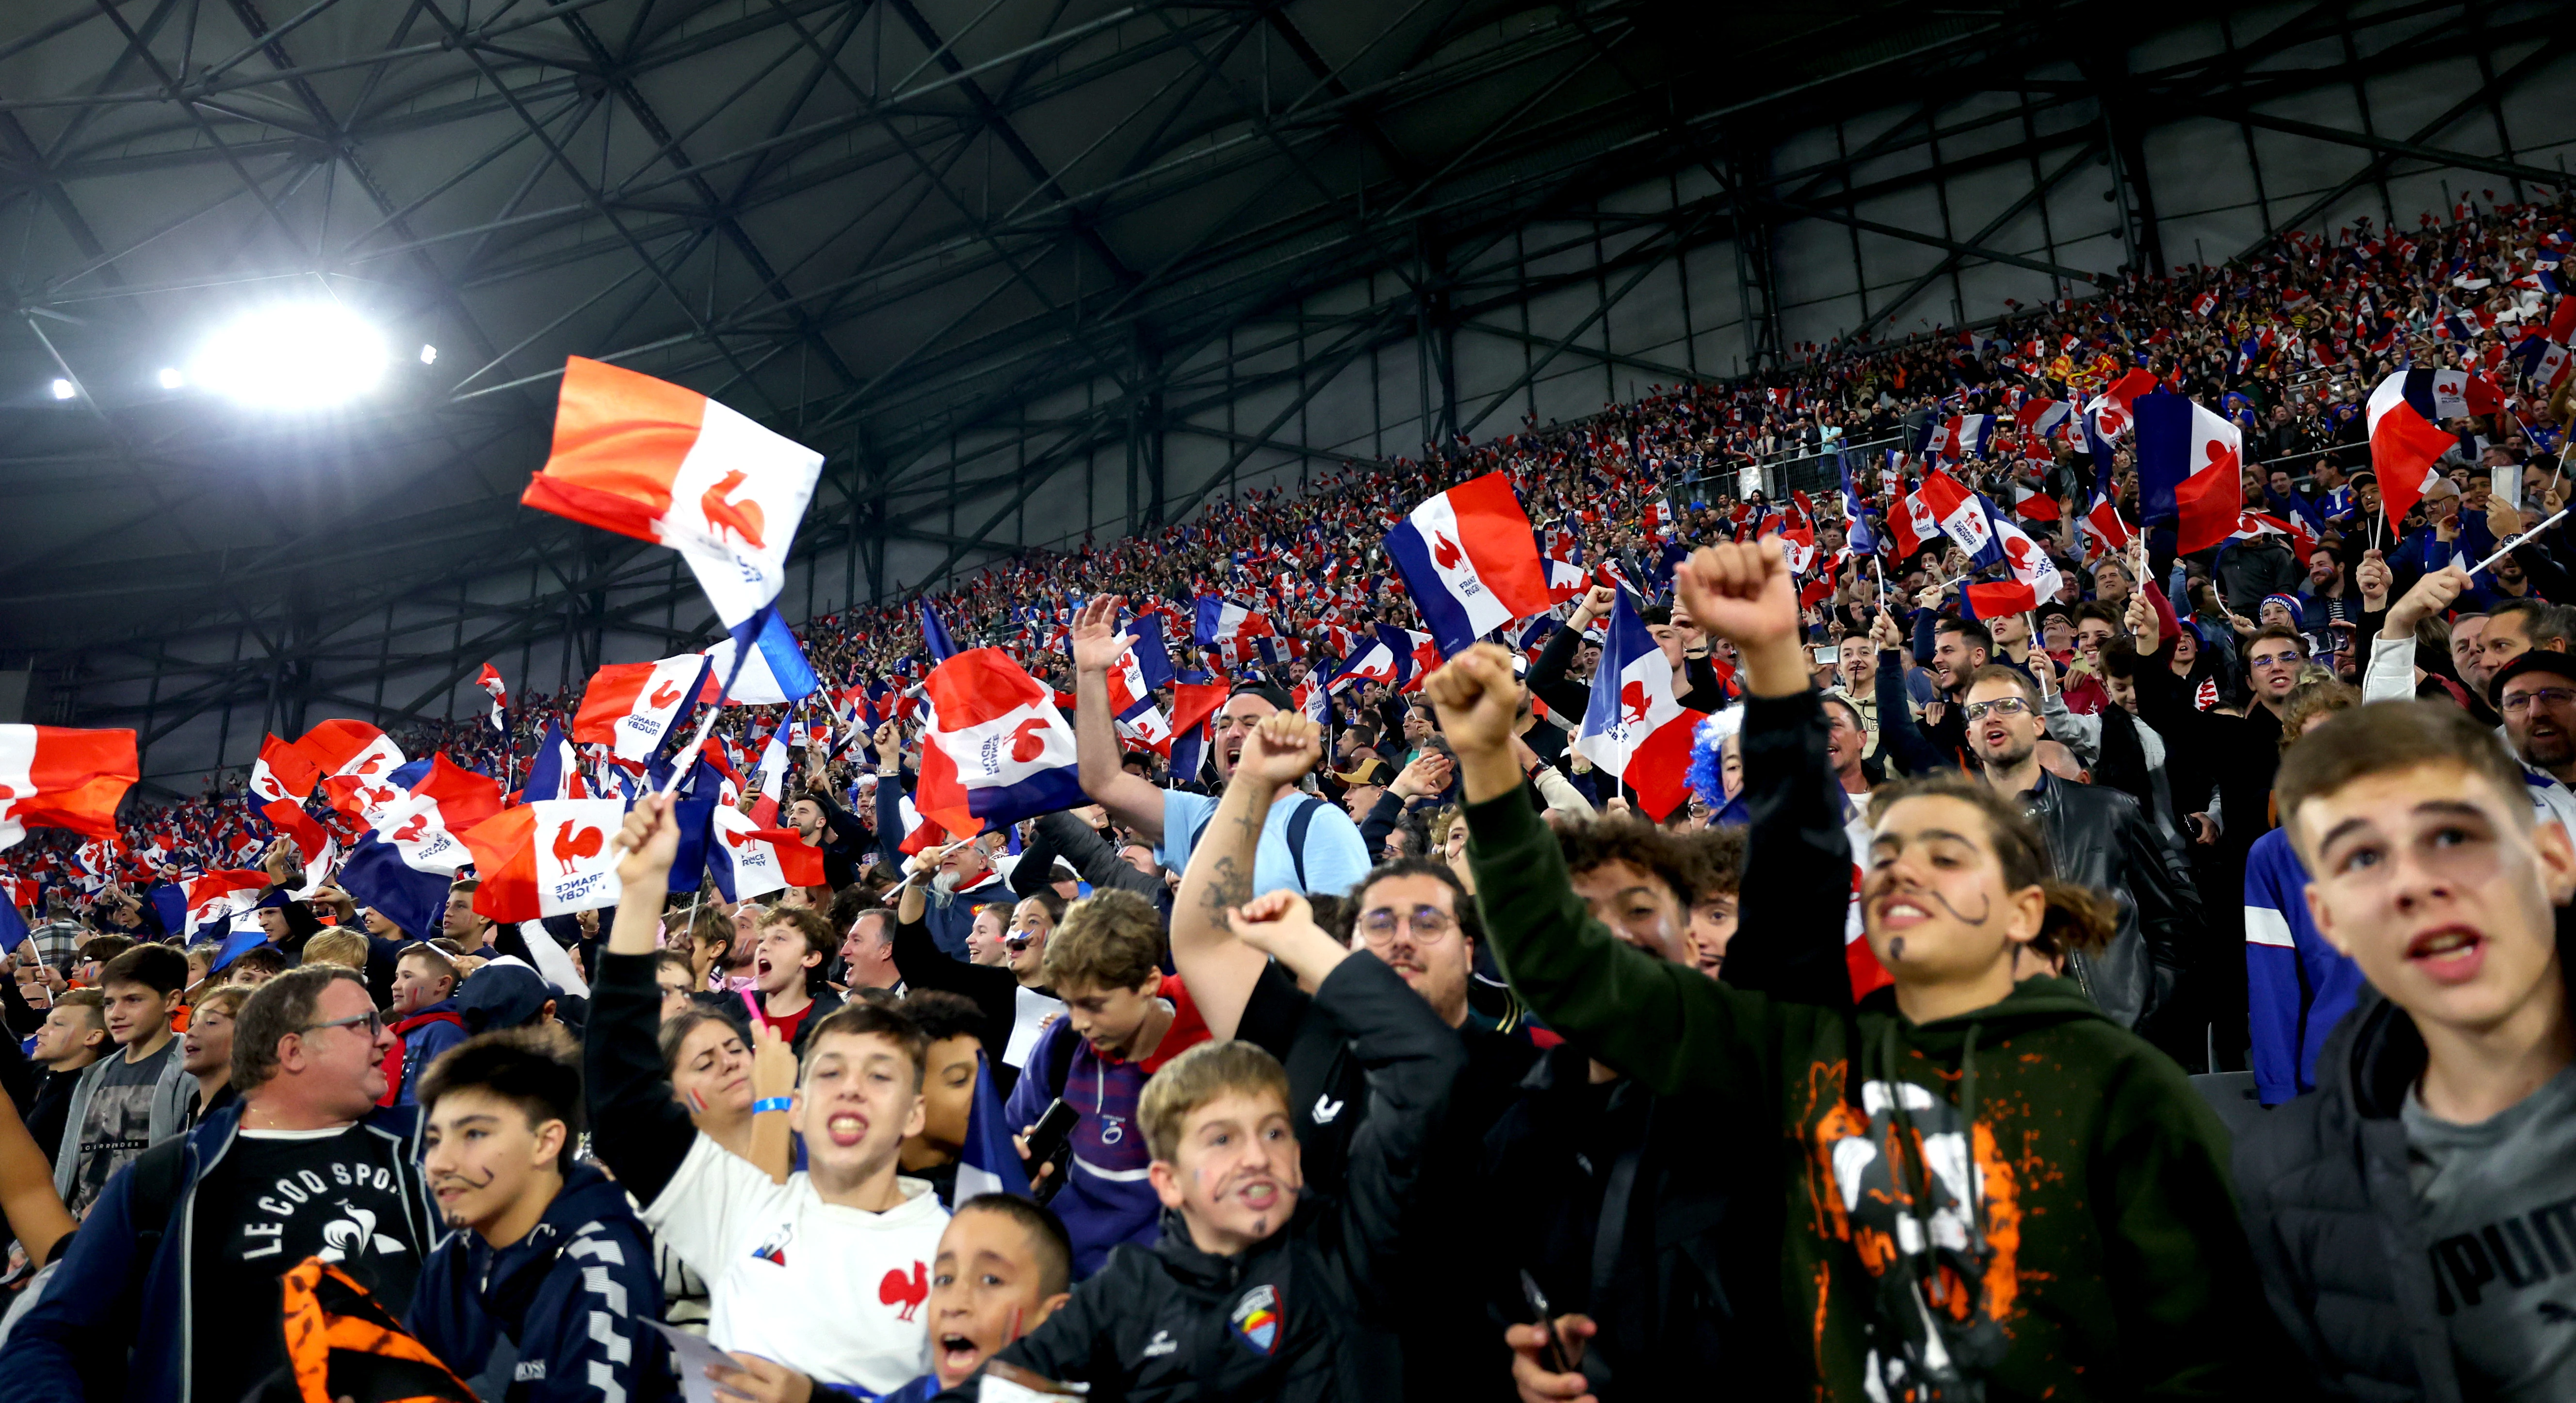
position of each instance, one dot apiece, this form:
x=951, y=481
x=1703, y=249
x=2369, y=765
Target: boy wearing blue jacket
x=1124, y=1019
x=547, y=1250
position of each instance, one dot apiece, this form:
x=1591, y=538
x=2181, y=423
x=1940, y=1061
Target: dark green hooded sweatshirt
x=2093, y=1251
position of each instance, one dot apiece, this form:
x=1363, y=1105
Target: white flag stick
x=2515, y=542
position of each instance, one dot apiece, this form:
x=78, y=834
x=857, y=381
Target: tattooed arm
x=1219, y=969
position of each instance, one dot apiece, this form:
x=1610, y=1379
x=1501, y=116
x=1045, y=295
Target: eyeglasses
x=2274, y=660
x=371, y=1020
x=2000, y=706
x=1428, y=924
x=2521, y=702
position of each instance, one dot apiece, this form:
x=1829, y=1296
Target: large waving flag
x=550, y=858
x=1222, y=622
x=1470, y=561
x=999, y=750
x=986, y=1163
x=629, y=707
x=647, y=459
x=773, y=668
x=2406, y=435
x=1962, y=516
x=934, y=635
x=53, y=776
x=282, y=772
x=2103, y=524
x=1634, y=729
x=2106, y=415
x=1193, y=704
x=750, y=860
x=2189, y=470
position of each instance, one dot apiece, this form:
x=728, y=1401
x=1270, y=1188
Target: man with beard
x=1939, y=741
x=1306, y=844
x=2097, y=838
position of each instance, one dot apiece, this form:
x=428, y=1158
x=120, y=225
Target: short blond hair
x=1197, y=1077
x=337, y=947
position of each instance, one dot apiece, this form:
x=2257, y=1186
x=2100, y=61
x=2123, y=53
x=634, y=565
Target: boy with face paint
x=545, y=1249
x=1256, y=1291
x=826, y=1273
x=1988, y=1188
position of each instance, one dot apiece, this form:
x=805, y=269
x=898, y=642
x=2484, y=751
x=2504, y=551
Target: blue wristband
x=772, y=1103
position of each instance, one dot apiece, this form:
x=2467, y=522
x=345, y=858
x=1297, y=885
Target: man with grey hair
x=306, y=1164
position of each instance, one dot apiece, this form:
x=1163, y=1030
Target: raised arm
x=1220, y=969
x=1097, y=646
x=637, y=1129
x=1669, y=1026
x=1789, y=942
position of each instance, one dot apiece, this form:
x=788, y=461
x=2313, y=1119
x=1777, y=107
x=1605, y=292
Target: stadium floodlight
x=173, y=378
x=429, y=355
x=64, y=389
x=303, y=355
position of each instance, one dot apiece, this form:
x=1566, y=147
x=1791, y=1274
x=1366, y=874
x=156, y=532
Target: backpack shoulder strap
x=1298, y=823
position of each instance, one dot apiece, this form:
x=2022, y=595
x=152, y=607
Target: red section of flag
x=620, y=438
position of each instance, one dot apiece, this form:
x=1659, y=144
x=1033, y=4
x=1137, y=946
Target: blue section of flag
x=1152, y=658
x=406, y=776
x=988, y=1163
x=1451, y=630
x=2162, y=436
x=236, y=940
x=934, y=635
x=374, y=873
x=1857, y=533
x=13, y=927
x=170, y=903
x=777, y=644
x=550, y=774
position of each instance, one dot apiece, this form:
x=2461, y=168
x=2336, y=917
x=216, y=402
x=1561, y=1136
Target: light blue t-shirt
x=1336, y=859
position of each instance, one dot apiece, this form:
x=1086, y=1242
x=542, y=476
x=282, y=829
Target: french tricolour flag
x=1634, y=729
x=2406, y=413
x=357, y=762
x=748, y=860
x=448, y=800
x=54, y=776
x=1146, y=665
x=1961, y=515
x=629, y=707
x=2188, y=470
x=773, y=671
x=222, y=894
x=1193, y=703
x=1221, y=622
x=549, y=858
x=1961, y=436
x=999, y=750
x=1470, y=561
x=650, y=460
x=554, y=772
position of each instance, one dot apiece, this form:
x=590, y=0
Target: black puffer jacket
x=2100, y=839
x=2331, y=1213
x=1301, y=1315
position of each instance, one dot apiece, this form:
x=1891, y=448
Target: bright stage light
x=172, y=378
x=63, y=389
x=298, y=356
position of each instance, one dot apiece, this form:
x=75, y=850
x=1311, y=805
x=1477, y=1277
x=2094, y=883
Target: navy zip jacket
x=113, y=1322
x=573, y=1295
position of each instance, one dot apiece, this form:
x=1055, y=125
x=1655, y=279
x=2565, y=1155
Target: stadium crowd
x=2157, y=990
